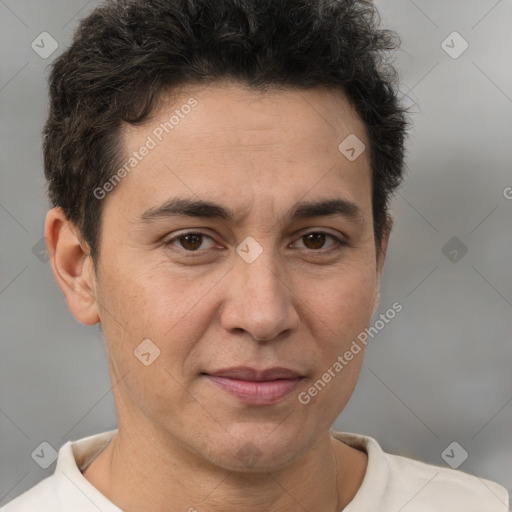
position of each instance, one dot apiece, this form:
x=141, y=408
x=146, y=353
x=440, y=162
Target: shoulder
x=393, y=482
x=43, y=496
x=445, y=489
x=67, y=489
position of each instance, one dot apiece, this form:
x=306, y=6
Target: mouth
x=256, y=387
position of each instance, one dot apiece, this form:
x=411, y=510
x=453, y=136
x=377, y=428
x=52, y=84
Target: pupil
x=319, y=237
x=193, y=237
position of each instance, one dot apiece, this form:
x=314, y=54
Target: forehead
x=228, y=111
x=228, y=142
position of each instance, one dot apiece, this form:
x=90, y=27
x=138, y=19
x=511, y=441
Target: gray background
x=439, y=372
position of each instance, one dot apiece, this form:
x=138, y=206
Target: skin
x=179, y=434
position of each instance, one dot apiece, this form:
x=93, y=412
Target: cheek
x=171, y=310
x=340, y=310
x=344, y=301
x=150, y=298
x=138, y=306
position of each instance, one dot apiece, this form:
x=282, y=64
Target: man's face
x=204, y=301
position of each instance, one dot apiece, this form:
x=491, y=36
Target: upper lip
x=247, y=373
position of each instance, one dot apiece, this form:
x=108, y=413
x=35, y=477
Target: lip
x=256, y=387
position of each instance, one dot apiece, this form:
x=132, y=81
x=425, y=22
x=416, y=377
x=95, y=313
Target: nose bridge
x=261, y=277
x=260, y=301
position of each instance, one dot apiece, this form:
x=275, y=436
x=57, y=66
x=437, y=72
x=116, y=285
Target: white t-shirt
x=392, y=483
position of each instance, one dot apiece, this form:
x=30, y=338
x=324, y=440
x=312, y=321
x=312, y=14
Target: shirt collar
x=75, y=492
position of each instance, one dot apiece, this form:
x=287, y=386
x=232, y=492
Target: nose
x=260, y=300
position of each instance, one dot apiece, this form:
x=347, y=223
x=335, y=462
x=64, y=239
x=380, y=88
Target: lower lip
x=256, y=392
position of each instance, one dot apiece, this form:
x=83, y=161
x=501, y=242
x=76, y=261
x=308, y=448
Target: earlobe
x=72, y=267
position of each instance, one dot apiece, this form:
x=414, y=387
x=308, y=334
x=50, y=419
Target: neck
x=140, y=472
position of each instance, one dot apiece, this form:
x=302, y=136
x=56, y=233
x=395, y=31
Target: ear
x=381, y=256
x=72, y=266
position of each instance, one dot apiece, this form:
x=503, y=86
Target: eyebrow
x=210, y=210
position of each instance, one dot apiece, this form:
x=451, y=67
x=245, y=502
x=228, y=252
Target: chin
x=259, y=447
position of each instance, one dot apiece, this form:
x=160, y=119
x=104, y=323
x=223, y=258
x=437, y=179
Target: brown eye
x=314, y=240
x=190, y=242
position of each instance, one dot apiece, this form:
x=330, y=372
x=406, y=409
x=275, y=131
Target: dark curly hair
x=127, y=53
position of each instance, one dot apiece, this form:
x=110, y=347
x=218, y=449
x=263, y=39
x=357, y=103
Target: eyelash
x=338, y=245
